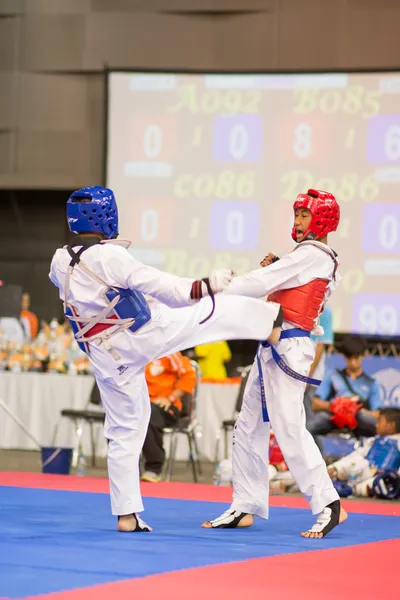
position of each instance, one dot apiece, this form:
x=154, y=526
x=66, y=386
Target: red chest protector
x=302, y=305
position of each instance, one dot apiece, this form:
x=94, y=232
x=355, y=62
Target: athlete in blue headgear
x=102, y=287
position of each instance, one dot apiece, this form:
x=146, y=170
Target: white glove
x=219, y=280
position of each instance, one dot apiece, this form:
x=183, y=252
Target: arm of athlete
x=169, y=289
x=292, y=270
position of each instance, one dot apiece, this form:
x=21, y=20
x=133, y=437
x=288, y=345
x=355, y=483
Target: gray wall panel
x=58, y=7
x=52, y=42
x=142, y=39
x=52, y=102
x=54, y=53
x=9, y=43
x=12, y=7
x=8, y=99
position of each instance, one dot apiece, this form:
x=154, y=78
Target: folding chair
x=229, y=424
x=80, y=418
x=188, y=426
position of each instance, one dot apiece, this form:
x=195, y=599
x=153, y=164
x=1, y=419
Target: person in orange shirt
x=168, y=380
x=29, y=319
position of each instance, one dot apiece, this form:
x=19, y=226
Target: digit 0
x=152, y=142
x=235, y=228
x=330, y=102
x=149, y=225
x=238, y=141
x=388, y=232
x=210, y=101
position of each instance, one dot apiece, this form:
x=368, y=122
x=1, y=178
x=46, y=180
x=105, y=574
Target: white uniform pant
x=284, y=399
x=127, y=404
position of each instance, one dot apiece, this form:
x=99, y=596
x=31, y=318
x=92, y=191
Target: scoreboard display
x=206, y=168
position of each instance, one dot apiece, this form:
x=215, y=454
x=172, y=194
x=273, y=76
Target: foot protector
x=140, y=525
x=279, y=319
x=327, y=520
x=228, y=520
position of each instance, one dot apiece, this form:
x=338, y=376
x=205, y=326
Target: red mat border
x=304, y=576
x=177, y=491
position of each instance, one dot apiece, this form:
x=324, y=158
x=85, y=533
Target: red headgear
x=325, y=213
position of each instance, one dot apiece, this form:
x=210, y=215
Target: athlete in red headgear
x=301, y=282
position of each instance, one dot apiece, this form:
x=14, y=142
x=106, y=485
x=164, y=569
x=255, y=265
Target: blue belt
x=287, y=333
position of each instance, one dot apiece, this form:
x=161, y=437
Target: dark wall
x=53, y=53
x=32, y=226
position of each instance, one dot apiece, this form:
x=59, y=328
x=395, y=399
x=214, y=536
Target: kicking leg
x=235, y=317
x=127, y=408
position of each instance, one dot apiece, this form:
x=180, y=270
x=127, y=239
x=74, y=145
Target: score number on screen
x=376, y=314
x=381, y=228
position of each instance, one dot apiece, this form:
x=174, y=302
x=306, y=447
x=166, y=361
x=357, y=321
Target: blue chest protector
x=384, y=454
x=131, y=304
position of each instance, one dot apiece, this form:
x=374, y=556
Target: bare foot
x=320, y=534
x=245, y=521
x=130, y=523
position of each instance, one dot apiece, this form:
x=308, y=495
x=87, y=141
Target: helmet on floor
x=325, y=213
x=342, y=488
x=93, y=210
x=387, y=485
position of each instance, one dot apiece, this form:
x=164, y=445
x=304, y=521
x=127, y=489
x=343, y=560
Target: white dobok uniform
x=284, y=394
x=119, y=359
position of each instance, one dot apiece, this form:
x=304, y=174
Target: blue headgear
x=93, y=209
x=342, y=488
x=387, y=485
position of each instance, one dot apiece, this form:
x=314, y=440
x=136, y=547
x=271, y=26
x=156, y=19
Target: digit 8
x=352, y=103
x=347, y=187
x=303, y=143
x=225, y=184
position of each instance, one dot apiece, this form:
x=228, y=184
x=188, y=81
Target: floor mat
x=59, y=540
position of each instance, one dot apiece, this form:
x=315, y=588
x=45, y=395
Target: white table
x=37, y=399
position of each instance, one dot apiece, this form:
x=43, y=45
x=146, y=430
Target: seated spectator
x=350, y=382
x=212, y=359
x=317, y=369
x=29, y=320
x=168, y=380
x=377, y=455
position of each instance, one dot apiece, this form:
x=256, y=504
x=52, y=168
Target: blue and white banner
x=386, y=370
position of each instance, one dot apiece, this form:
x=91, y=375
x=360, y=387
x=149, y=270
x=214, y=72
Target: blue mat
x=56, y=540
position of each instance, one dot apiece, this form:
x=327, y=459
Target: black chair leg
x=197, y=454
x=191, y=456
